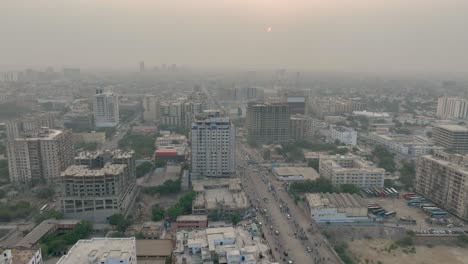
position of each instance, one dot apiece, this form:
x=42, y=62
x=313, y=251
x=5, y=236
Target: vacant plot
x=374, y=251
x=399, y=206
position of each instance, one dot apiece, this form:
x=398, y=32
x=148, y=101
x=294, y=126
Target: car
x=309, y=249
x=285, y=253
x=271, y=227
x=288, y=216
x=290, y=262
x=276, y=232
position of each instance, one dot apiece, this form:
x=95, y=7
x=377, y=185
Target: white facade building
x=151, y=109
x=344, y=135
x=213, y=147
x=351, y=169
x=336, y=207
x=102, y=251
x=106, y=109
x=452, y=107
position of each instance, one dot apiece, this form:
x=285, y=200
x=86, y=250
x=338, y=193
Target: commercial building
x=407, y=145
x=297, y=100
x=29, y=125
x=151, y=109
x=191, y=221
x=336, y=207
x=171, y=139
x=268, y=122
x=106, y=109
x=100, y=185
x=222, y=244
x=343, y=134
x=331, y=106
x=213, y=147
x=295, y=173
x=451, y=137
x=102, y=251
x=40, y=157
x=452, y=107
x=351, y=169
x=171, y=154
x=442, y=177
x=301, y=127
x=21, y=256
x=219, y=196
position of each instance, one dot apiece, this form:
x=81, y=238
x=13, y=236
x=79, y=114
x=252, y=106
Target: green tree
x=157, y=213
x=408, y=174
x=349, y=188
x=314, y=164
x=143, y=169
x=140, y=235
x=159, y=163
x=235, y=218
x=45, y=193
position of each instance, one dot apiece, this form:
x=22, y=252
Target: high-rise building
x=334, y=106
x=29, y=125
x=102, y=251
x=213, y=146
x=442, y=177
x=301, y=127
x=452, y=107
x=142, y=66
x=40, y=157
x=451, y=137
x=99, y=185
x=351, y=169
x=151, y=109
x=343, y=134
x=268, y=122
x=298, y=101
x=106, y=109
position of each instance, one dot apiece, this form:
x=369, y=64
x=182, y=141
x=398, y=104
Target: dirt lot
x=403, y=210
x=374, y=251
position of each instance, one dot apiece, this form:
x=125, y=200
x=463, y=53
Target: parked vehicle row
x=425, y=205
x=381, y=192
x=377, y=210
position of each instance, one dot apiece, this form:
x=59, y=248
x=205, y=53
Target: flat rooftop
x=154, y=248
x=335, y=200
x=85, y=171
x=37, y=233
x=342, y=129
x=99, y=249
x=453, y=128
x=192, y=218
x=306, y=172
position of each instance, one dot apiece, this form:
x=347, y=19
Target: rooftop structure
x=295, y=173
x=153, y=249
x=336, y=207
x=21, y=256
x=351, y=169
x=218, y=196
x=102, y=251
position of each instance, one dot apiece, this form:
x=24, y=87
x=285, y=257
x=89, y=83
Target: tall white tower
x=106, y=109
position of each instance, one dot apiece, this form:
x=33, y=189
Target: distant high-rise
x=452, y=137
x=142, y=66
x=106, y=109
x=452, y=107
x=213, y=146
x=39, y=157
x=268, y=122
x=151, y=109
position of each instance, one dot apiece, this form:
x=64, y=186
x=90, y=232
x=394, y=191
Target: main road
x=288, y=229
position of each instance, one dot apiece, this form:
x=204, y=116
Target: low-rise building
x=102, y=251
x=144, y=130
x=336, y=207
x=151, y=251
x=219, y=196
x=46, y=227
x=343, y=134
x=351, y=169
x=295, y=173
x=191, y=221
x=21, y=256
x=171, y=139
x=171, y=154
x=92, y=137
x=407, y=145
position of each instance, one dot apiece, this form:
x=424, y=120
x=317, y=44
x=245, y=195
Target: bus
x=43, y=208
x=390, y=214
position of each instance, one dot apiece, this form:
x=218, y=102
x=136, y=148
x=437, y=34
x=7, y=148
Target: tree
x=314, y=164
x=349, y=188
x=119, y=221
x=159, y=163
x=143, y=169
x=157, y=213
x=45, y=193
x=408, y=174
x=140, y=235
x=51, y=214
x=235, y=218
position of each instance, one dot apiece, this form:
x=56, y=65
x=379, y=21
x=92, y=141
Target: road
x=121, y=130
x=296, y=233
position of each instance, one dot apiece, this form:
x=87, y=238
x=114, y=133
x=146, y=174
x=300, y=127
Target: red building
x=170, y=154
x=191, y=221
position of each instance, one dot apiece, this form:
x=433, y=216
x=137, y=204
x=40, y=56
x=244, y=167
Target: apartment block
x=452, y=137
x=268, y=122
x=102, y=251
x=102, y=183
x=331, y=106
x=442, y=177
x=343, y=134
x=213, y=146
x=452, y=107
x=351, y=169
x=29, y=125
x=151, y=109
x=106, y=109
x=40, y=157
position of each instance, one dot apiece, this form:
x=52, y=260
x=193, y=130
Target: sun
x=268, y=29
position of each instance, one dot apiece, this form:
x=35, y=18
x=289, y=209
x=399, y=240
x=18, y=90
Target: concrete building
x=46, y=227
x=331, y=106
x=220, y=196
x=106, y=109
x=222, y=244
x=442, y=177
x=407, y=145
x=451, y=137
x=351, y=169
x=336, y=207
x=170, y=140
x=92, y=137
x=268, y=122
x=452, y=107
x=153, y=251
x=297, y=100
x=301, y=127
x=213, y=147
x=40, y=157
x=295, y=173
x=151, y=109
x=191, y=221
x=100, y=185
x=102, y=251
x=21, y=256
x=29, y=125
x=171, y=113
x=171, y=154
x=343, y=134
x=373, y=116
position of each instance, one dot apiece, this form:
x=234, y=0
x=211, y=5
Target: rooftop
x=192, y=218
x=37, y=233
x=335, y=200
x=306, y=172
x=85, y=171
x=342, y=129
x=454, y=128
x=96, y=250
x=21, y=255
x=154, y=248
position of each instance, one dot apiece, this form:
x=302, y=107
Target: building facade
x=442, y=177
x=213, y=147
x=301, y=127
x=106, y=109
x=451, y=137
x=99, y=185
x=336, y=207
x=268, y=123
x=351, y=169
x=39, y=158
x=452, y=107
x=151, y=111
x=343, y=134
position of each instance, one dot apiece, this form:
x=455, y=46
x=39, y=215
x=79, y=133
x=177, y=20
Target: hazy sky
x=345, y=35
